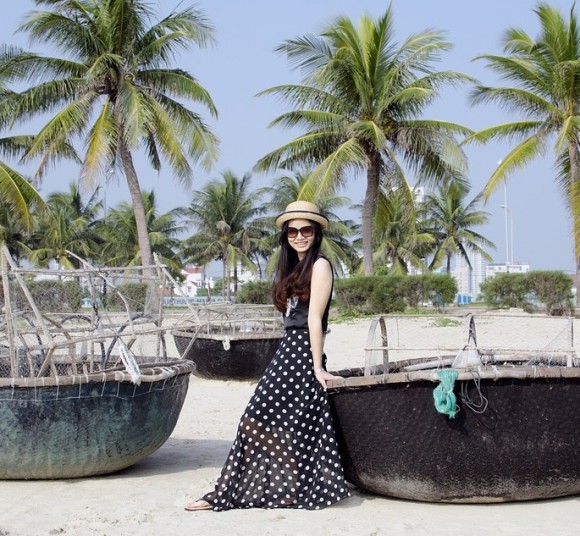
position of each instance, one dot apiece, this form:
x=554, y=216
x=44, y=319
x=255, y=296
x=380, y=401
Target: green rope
x=445, y=401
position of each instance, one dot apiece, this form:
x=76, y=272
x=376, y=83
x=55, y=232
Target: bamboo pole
x=8, y=312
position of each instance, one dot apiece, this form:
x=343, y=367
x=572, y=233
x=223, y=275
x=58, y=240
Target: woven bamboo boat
x=78, y=394
x=515, y=436
x=230, y=342
x=88, y=425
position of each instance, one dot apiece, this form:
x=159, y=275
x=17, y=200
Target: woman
x=285, y=453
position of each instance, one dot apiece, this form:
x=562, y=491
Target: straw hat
x=302, y=210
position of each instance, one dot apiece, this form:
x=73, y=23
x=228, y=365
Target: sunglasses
x=307, y=231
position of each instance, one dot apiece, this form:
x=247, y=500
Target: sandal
x=198, y=505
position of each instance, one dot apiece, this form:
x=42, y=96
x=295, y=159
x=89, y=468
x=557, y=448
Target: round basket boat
x=84, y=425
x=229, y=341
x=86, y=385
x=513, y=433
x=237, y=356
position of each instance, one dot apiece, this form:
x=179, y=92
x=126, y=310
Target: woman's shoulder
x=322, y=260
x=322, y=264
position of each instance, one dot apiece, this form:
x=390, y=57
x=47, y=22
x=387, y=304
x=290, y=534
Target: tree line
x=361, y=111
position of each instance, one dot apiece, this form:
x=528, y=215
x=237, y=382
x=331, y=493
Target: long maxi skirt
x=285, y=453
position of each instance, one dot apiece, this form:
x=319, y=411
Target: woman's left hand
x=323, y=376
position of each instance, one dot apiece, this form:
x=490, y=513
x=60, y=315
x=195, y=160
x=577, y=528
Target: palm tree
x=69, y=224
x=225, y=214
x=401, y=240
x=361, y=105
x=451, y=219
x=16, y=191
x=13, y=232
x=336, y=245
x=17, y=194
x=112, y=88
x=119, y=230
x=546, y=92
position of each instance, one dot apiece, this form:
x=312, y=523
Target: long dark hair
x=293, y=275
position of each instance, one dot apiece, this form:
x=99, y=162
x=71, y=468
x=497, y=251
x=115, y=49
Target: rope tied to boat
x=443, y=395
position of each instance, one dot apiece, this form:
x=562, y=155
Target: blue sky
x=244, y=62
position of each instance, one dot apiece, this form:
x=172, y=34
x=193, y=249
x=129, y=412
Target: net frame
x=57, y=324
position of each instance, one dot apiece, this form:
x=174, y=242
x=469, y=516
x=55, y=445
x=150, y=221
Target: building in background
x=502, y=268
x=469, y=280
x=194, y=279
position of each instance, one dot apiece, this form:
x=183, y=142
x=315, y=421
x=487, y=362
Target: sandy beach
x=148, y=498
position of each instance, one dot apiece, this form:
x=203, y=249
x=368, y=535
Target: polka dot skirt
x=285, y=453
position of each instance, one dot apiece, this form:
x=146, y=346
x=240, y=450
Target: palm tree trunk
x=137, y=200
x=368, y=212
x=448, y=263
x=225, y=282
x=236, y=279
x=575, y=206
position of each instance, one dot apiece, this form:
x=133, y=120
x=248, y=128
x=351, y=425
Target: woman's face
x=300, y=234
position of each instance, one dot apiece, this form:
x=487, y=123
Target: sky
x=243, y=63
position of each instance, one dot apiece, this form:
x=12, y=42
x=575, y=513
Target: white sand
x=148, y=498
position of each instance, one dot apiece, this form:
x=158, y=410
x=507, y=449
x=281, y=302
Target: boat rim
x=149, y=373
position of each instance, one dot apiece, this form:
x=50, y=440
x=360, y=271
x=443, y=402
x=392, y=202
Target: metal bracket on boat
x=468, y=356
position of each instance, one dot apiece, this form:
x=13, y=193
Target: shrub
x=387, y=296
x=438, y=289
x=441, y=288
x=353, y=294
x=134, y=293
x=550, y=289
x=414, y=289
x=370, y=294
x=553, y=289
x=507, y=290
x=53, y=296
x=258, y=292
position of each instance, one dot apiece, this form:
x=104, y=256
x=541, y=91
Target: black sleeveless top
x=296, y=315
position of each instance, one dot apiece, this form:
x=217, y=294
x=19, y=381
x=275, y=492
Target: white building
x=477, y=273
x=469, y=280
x=418, y=194
x=503, y=268
x=243, y=274
x=462, y=275
x=194, y=279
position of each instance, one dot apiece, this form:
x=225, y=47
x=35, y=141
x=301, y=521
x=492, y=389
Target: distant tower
x=469, y=281
x=479, y=267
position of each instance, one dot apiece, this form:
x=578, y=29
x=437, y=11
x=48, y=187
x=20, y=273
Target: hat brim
x=301, y=215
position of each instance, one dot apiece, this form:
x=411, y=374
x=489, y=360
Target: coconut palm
x=225, y=215
x=13, y=233
x=119, y=231
x=112, y=88
x=336, y=245
x=17, y=194
x=16, y=191
x=401, y=240
x=361, y=105
x=452, y=219
x=69, y=224
x=545, y=92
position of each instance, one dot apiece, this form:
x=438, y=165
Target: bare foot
x=198, y=505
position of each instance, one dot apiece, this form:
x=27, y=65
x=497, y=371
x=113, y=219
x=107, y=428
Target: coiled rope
x=443, y=395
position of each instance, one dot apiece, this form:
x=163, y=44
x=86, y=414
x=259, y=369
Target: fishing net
x=470, y=340
x=62, y=323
